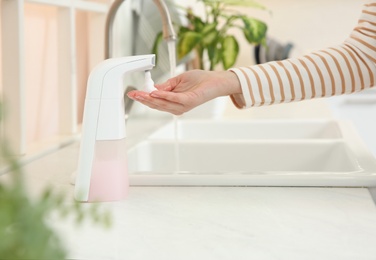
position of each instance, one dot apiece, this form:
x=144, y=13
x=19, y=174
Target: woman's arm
x=343, y=69
x=346, y=68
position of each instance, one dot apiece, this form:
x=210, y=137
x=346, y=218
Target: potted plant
x=209, y=36
x=24, y=229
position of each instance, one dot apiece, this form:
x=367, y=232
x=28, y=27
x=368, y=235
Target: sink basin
x=270, y=153
x=255, y=129
x=241, y=157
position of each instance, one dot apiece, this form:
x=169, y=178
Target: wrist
x=233, y=85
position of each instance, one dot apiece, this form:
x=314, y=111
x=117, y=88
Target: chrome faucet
x=168, y=30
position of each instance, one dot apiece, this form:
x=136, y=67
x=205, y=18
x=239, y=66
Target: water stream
x=171, y=45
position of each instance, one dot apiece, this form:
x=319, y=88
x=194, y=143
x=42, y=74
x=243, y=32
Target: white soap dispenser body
x=102, y=168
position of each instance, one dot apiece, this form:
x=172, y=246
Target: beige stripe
x=360, y=74
x=366, y=32
x=329, y=72
x=300, y=79
x=320, y=76
x=369, y=32
x=371, y=4
x=366, y=21
x=369, y=12
x=370, y=57
x=290, y=80
x=249, y=86
x=365, y=29
x=279, y=82
x=270, y=84
x=310, y=78
x=365, y=53
x=364, y=43
x=339, y=71
x=348, y=65
x=372, y=80
x=259, y=87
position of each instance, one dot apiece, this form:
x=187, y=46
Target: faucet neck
x=109, y=28
x=168, y=29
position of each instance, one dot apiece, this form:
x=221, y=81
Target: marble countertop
x=215, y=222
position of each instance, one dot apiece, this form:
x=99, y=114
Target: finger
x=170, y=84
x=170, y=96
x=132, y=94
x=159, y=104
x=170, y=108
x=166, y=86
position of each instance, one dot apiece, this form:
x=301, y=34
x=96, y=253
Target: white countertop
x=233, y=223
x=216, y=222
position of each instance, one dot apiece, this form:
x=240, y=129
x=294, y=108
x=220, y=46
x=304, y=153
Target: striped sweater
x=342, y=69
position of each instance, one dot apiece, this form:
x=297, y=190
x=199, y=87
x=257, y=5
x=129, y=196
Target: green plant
x=211, y=35
x=24, y=230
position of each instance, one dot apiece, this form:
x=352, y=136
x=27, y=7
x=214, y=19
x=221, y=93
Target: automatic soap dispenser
x=102, y=163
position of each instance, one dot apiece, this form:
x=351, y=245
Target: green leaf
x=209, y=38
x=187, y=43
x=183, y=30
x=209, y=28
x=254, y=30
x=209, y=34
x=214, y=55
x=195, y=22
x=230, y=51
x=245, y=3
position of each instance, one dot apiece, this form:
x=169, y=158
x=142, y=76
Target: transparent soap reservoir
x=109, y=177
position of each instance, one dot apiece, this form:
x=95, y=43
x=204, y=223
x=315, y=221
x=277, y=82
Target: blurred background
x=55, y=36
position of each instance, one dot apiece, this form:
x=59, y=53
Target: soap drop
x=149, y=83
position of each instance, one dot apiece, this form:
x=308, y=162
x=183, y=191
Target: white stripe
x=295, y=80
x=275, y=83
x=367, y=26
x=363, y=68
x=368, y=17
x=333, y=67
x=361, y=46
x=368, y=39
x=244, y=86
x=366, y=76
x=343, y=68
x=315, y=77
x=370, y=8
x=264, y=84
x=254, y=85
x=325, y=74
x=285, y=82
x=353, y=68
x=305, y=78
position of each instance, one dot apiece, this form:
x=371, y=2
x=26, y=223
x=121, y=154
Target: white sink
x=255, y=129
x=263, y=153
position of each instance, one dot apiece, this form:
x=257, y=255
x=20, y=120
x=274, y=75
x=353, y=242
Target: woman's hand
x=189, y=90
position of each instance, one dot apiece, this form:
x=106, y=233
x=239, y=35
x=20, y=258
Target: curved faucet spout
x=168, y=30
